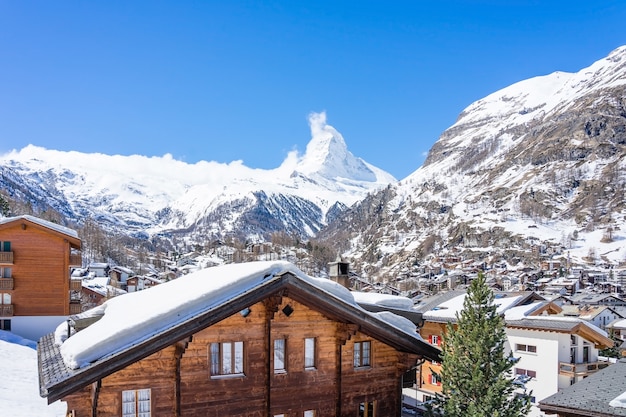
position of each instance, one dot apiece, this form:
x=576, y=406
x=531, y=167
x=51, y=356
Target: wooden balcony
x=6, y=283
x=6, y=257
x=581, y=369
x=76, y=259
x=75, y=307
x=6, y=310
x=76, y=284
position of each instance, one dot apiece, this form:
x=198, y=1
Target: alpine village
x=281, y=301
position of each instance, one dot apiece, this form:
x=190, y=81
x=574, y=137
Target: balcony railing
x=6, y=257
x=76, y=284
x=76, y=259
x=6, y=283
x=581, y=369
x=6, y=310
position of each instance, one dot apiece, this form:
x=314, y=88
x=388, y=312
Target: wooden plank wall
x=181, y=384
x=40, y=271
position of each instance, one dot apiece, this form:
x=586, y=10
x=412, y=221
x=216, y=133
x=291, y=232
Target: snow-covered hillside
x=141, y=194
x=539, y=163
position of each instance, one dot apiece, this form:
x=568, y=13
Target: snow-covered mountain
x=539, y=163
x=147, y=195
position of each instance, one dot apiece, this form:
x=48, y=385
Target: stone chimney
x=338, y=272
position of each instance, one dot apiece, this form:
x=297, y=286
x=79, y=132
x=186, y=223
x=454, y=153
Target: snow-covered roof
x=175, y=310
x=41, y=222
x=447, y=311
x=102, y=286
x=383, y=300
x=179, y=300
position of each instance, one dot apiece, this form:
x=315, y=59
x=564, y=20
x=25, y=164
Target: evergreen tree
x=5, y=210
x=476, y=372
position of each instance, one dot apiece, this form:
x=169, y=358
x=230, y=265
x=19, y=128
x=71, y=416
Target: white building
x=554, y=352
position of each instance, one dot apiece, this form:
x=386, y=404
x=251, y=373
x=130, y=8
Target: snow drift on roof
x=383, y=300
x=135, y=317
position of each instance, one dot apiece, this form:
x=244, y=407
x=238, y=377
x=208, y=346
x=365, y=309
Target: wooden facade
x=184, y=378
x=36, y=257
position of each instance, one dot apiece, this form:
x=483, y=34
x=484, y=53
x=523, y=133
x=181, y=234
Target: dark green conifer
x=476, y=372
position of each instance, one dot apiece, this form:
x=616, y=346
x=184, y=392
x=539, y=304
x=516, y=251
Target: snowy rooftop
x=448, y=310
x=44, y=223
x=177, y=301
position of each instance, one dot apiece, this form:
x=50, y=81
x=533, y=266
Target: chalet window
x=279, y=356
x=226, y=358
x=5, y=298
x=435, y=379
x=309, y=353
x=362, y=354
x=527, y=372
x=435, y=340
x=136, y=403
x=309, y=413
x=5, y=325
x=367, y=409
x=5, y=272
x=526, y=348
x=5, y=246
x=573, y=340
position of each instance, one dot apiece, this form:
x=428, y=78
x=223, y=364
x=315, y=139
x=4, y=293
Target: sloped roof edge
x=57, y=381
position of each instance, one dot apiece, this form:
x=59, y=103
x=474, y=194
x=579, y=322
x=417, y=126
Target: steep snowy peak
x=540, y=96
x=492, y=126
x=327, y=156
x=153, y=193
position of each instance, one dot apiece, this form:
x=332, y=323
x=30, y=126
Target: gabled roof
x=70, y=234
x=101, y=350
x=597, y=395
x=570, y=325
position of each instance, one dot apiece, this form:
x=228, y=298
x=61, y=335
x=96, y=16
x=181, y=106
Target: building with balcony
x=36, y=290
x=553, y=352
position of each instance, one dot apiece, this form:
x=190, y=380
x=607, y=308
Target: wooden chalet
x=284, y=344
x=35, y=284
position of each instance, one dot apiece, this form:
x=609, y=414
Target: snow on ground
x=19, y=384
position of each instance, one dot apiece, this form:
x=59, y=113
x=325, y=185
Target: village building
x=36, y=288
x=255, y=339
x=553, y=351
x=600, y=395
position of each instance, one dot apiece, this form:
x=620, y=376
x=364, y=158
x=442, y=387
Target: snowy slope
x=541, y=162
x=19, y=385
x=153, y=194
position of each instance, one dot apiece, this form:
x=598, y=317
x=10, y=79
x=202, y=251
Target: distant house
x=141, y=282
x=98, y=269
x=97, y=290
x=600, y=395
x=120, y=274
x=256, y=339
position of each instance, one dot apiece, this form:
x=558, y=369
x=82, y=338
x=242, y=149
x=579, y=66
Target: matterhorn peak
x=327, y=155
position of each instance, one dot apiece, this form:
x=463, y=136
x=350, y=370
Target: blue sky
x=231, y=80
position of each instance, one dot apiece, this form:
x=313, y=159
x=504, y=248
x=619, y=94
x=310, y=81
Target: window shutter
x=430, y=339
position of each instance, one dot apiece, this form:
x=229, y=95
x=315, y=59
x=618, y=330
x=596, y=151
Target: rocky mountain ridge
x=203, y=201
x=534, y=169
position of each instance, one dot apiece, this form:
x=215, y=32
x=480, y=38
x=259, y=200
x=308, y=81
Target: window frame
x=360, y=359
x=527, y=372
x=282, y=348
x=522, y=347
x=310, y=353
x=136, y=402
x=226, y=359
x=368, y=409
